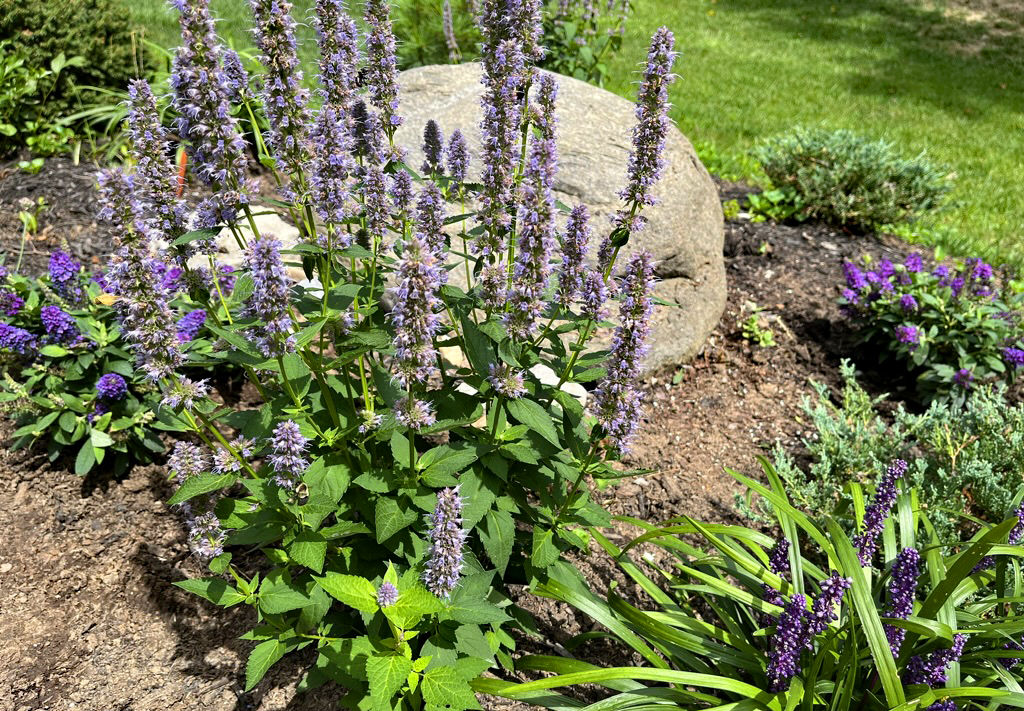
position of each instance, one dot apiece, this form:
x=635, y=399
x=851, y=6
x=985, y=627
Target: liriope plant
x=406, y=461
x=870, y=610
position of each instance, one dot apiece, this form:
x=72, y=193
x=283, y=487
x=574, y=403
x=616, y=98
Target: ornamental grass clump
x=806, y=617
x=406, y=463
x=955, y=328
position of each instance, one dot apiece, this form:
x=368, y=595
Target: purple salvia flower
x=1017, y=532
x=448, y=25
x=414, y=414
x=187, y=460
x=646, y=160
x=111, y=387
x=206, y=536
x=60, y=326
x=401, y=192
x=536, y=224
x=506, y=381
x=617, y=399
x=338, y=38
x=10, y=303
x=878, y=511
x=331, y=167
x=964, y=378
x=287, y=457
x=823, y=609
x=269, y=300
x=368, y=135
x=226, y=278
x=64, y=271
x=543, y=116
x=224, y=462
x=855, y=278
x=183, y=392
x=376, y=211
x=173, y=280
x=433, y=149
x=381, y=63
x=605, y=255
x=944, y=705
x=931, y=670
x=156, y=180
x=778, y=563
x=575, y=243
x=285, y=100
x=430, y=214
x=202, y=97
x=594, y=296
x=447, y=539
x=909, y=335
x=1014, y=357
x=190, y=324
x=503, y=80
x=458, y=156
x=492, y=285
x=387, y=594
x=902, y=589
x=16, y=340
x=789, y=641
x=908, y=303
x=524, y=17
x=414, y=315
x=236, y=77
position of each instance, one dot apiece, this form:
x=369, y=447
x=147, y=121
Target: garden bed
x=89, y=613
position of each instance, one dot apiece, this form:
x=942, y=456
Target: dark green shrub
x=99, y=31
x=848, y=180
x=24, y=90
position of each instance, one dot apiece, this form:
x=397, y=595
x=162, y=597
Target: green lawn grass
x=928, y=79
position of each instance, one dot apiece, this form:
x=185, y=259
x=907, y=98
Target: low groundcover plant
x=406, y=462
x=890, y=617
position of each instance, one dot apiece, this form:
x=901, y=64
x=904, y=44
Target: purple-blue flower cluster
x=415, y=315
x=190, y=324
x=287, y=457
x=111, y=387
x=447, y=538
x=59, y=325
x=268, y=303
x=931, y=670
x=878, y=511
x=902, y=589
x=64, y=271
x=16, y=340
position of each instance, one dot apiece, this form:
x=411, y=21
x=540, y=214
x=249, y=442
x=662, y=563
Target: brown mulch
x=88, y=612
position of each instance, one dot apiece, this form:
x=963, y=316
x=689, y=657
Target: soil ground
x=89, y=615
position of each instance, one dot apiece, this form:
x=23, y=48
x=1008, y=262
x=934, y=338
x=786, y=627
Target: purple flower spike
x=964, y=378
x=338, y=38
x=60, y=326
x=448, y=24
x=156, y=180
x=507, y=382
x=376, y=210
x=187, y=460
x=646, y=162
x=236, y=76
x=111, y=387
x=458, y=156
x=1014, y=357
x=387, y=594
x=878, y=511
x=414, y=414
x=944, y=705
x=288, y=448
x=331, y=168
x=401, y=191
x=64, y=270
x=285, y=100
x=617, y=399
x=202, y=97
x=909, y=335
x=268, y=303
x=789, y=641
x=931, y=670
x=414, y=315
x=184, y=393
x=823, y=609
x=430, y=214
x=908, y=303
x=206, y=536
x=447, y=539
x=190, y=324
x=902, y=589
x=433, y=149
x=537, y=242
x=382, y=65
x=575, y=244
x=855, y=278
x=914, y=263
x=778, y=563
x=594, y=296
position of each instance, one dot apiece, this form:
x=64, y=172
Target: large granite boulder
x=685, y=231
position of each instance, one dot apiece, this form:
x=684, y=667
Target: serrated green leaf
x=390, y=518
x=534, y=415
x=262, y=657
x=203, y=484
x=215, y=590
x=309, y=548
x=352, y=590
x=497, y=533
x=277, y=595
x=387, y=674
x=444, y=688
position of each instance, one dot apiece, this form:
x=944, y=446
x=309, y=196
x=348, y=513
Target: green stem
x=576, y=484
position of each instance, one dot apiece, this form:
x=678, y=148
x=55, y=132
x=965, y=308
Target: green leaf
x=498, y=534
x=278, y=595
x=352, y=590
x=53, y=351
x=387, y=674
x=215, y=590
x=309, y=549
x=442, y=687
x=447, y=459
x=534, y=415
x=100, y=439
x=194, y=235
x=390, y=518
x=196, y=485
x=263, y=656
x=545, y=552
x=85, y=460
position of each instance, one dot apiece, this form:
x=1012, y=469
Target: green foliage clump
x=420, y=24
x=848, y=180
x=965, y=457
x=732, y=618
x=51, y=386
x=24, y=92
x=99, y=31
